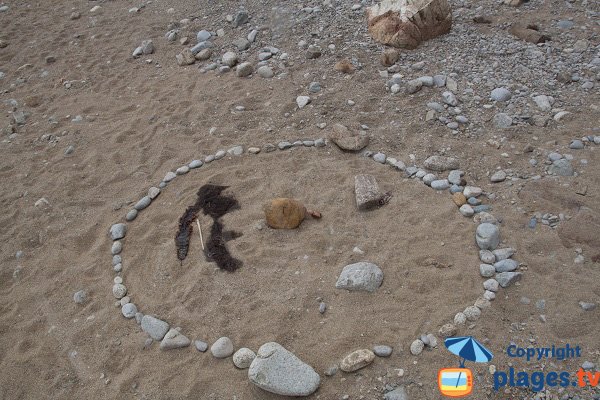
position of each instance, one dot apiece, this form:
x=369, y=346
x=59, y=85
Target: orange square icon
x=455, y=382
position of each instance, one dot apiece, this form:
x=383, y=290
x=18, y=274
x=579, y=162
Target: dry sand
x=141, y=121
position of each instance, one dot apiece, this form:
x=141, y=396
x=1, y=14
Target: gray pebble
x=131, y=215
x=201, y=346
x=506, y=265
x=561, y=167
x=466, y=210
x=169, y=176
x=116, y=248
x=142, y=203
x=116, y=259
x=440, y=184
x=138, y=317
x=220, y=154
x=19, y=254
x=222, y=348
x=576, y=145
x=236, y=151
x=587, y=306
x=487, y=236
x=129, y=310
x=482, y=208
x=182, y=170
x=154, y=327
x=473, y=201
x=118, y=231
x=428, y=179
x=498, y=176
x=195, y=164
x=505, y=279
x=503, y=254
x=320, y=143
x=439, y=80
x=118, y=268
x=265, y=72
x=500, y=94
x=209, y=158
x=503, y=120
x=382, y=351
x=203, y=36
x=449, y=98
x=380, y=158
x=119, y=290
x=314, y=87
x=322, y=307
x=153, y=192
x=588, y=365
x=284, y=145
x=487, y=256
x=331, y=371
x=80, y=297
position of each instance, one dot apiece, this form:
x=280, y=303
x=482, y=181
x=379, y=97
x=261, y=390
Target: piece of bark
x=408, y=23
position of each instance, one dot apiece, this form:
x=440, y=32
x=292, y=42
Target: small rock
x=460, y=318
x=502, y=120
x=487, y=270
x=506, y=265
x=361, y=276
x=440, y=184
x=222, y=348
x=397, y=394
x=186, y=57
x=302, y=101
x=487, y=236
x=244, y=69
x=119, y=290
x=142, y=203
x=500, y=94
x=229, y=58
x=472, y=313
x=265, y=72
x=116, y=247
x=203, y=36
x=498, y=176
x=118, y=231
x=174, y=340
x=129, y=310
x=240, y=18
x=447, y=330
x=154, y=327
x=505, y=279
x=585, y=306
x=417, y=347
x=243, y=358
x=357, y=360
x=441, y=163
x=382, y=351
x=576, y=145
x=367, y=192
x=561, y=167
x=380, y=158
x=131, y=215
x=200, y=345
x=450, y=99
x=503, y=254
x=487, y=256
x=80, y=297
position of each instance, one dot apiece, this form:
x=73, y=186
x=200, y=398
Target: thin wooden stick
x=200, y=232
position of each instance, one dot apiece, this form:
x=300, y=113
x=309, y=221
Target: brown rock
x=344, y=66
x=407, y=23
x=347, y=140
x=528, y=33
x=389, y=57
x=204, y=55
x=482, y=19
x=186, y=57
x=282, y=213
x=459, y=199
x=357, y=360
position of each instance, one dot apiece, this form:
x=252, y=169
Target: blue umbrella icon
x=468, y=348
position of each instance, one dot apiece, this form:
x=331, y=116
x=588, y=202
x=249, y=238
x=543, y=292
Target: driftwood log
x=408, y=23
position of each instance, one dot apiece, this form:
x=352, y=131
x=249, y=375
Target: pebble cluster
x=285, y=370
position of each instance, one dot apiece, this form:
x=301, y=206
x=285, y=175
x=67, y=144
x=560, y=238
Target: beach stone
x=229, y=59
x=561, y=167
x=142, y=203
x=240, y=18
x=131, y=215
x=116, y=247
x=236, y=151
x=482, y=303
x=356, y=360
x=129, y=310
x=186, y=57
x=367, y=192
x=195, y=164
x=487, y=270
x=413, y=86
x=472, y=313
x=346, y=140
x=283, y=213
x=447, y=330
x=182, y=170
x=203, y=55
x=503, y=254
x=196, y=49
x=154, y=327
x=379, y=157
x=116, y=259
x=417, y=347
x=361, y=276
x=397, y=394
x=586, y=306
x=169, y=176
x=543, y=102
x=450, y=99
x=460, y=318
x=200, y=345
x=244, y=69
x=427, y=179
x=283, y=145
x=253, y=150
x=472, y=191
x=506, y=265
x=302, y=101
x=500, y=94
x=265, y=72
x=455, y=177
x=487, y=236
x=503, y=120
x=441, y=163
x=487, y=256
x=505, y=279
x=576, y=144
x=243, y=358
x=220, y=154
x=119, y=290
x=489, y=295
x=278, y=371
x=174, y=340
x=203, y=36
x=222, y=348
x=118, y=268
x=440, y=184
x=491, y=285
x=382, y=351
x=80, y=297
x=118, y=231
x=439, y=80
x=153, y=192
x=498, y=176
x=588, y=365
x=459, y=199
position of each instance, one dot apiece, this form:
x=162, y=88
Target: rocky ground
x=100, y=99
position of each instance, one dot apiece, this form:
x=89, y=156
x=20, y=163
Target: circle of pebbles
x=497, y=266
